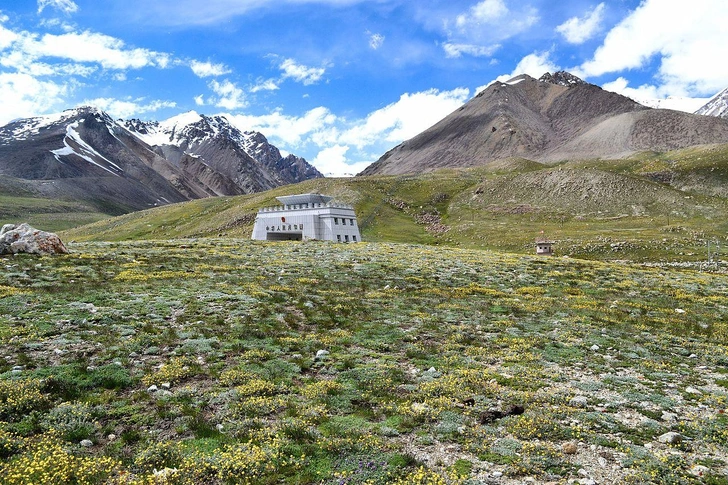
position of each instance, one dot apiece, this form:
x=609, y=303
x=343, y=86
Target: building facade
x=307, y=216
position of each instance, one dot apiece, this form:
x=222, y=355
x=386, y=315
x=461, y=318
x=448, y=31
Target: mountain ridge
x=558, y=117
x=83, y=154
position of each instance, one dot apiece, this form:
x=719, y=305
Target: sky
x=340, y=82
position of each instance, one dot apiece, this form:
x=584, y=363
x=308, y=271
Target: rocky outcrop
x=25, y=239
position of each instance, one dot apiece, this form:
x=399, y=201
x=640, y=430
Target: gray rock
x=25, y=239
x=668, y=416
x=670, y=438
x=578, y=402
x=152, y=388
x=322, y=354
x=87, y=443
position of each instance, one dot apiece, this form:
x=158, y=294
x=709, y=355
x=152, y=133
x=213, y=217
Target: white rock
x=668, y=416
x=166, y=385
x=111, y=437
x=496, y=474
x=322, y=354
x=152, y=388
x=578, y=401
x=87, y=443
x=692, y=390
x=670, y=438
x=594, y=347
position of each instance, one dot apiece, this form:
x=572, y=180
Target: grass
x=428, y=348
x=600, y=210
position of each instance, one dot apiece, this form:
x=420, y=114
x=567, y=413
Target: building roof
x=304, y=199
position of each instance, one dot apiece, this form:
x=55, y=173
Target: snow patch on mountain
x=85, y=151
x=716, y=106
x=677, y=103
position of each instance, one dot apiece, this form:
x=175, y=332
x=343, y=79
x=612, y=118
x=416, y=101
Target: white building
x=307, y=216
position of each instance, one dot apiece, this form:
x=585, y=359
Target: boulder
x=23, y=238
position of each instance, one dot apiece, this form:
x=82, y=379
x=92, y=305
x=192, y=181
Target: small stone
x=670, y=438
x=164, y=393
x=322, y=354
x=583, y=472
x=431, y=370
x=496, y=474
x=166, y=385
x=668, y=416
x=111, y=437
x=18, y=367
x=602, y=462
x=578, y=402
x=87, y=443
x=594, y=347
x=692, y=356
x=699, y=470
x=308, y=304
x=152, y=388
x=219, y=427
x=58, y=351
x=692, y=390
x=587, y=481
x=569, y=448
x=679, y=310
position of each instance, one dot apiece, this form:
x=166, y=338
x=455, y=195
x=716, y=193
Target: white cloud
x=687, y=38
x=229, y=96
x=289, y=129
x=487, y=11
x=535, y=65
x=412, y=114
x=65, y=6
x=332, y=161
x=300, y=73
x=22, y=95
x=665, y=96
x=264, y=85
x=578, y=30
x=479, y=30
x=457, y=50
x=109, y=52
x=199, y=100
x=208, y=69
x=128, y=108
x=376, y=41
x=345, y=146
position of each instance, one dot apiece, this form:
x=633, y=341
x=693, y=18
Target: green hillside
x=652, y=207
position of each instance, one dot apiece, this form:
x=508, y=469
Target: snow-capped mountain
x=119, y=166
x=225, y=148
x=717, y=106
x=677, y=103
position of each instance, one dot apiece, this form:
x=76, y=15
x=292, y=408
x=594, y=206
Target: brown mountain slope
x=558, y=117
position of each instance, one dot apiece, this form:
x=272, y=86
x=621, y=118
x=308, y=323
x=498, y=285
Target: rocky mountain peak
x=561, y=78
x=717, y=106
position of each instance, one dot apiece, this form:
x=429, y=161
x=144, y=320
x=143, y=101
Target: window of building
x=338, y=237
x=353, y=238
x=346, y=238
x=336, y=221
x=351, y=222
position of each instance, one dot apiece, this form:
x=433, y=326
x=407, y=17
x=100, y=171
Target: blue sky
x=339, y=82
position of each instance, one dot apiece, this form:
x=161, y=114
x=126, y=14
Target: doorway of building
x=284, y=236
